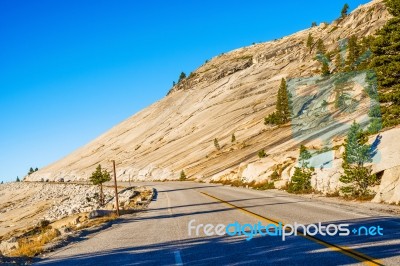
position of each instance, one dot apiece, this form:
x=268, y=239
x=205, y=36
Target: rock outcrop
x=231, y=94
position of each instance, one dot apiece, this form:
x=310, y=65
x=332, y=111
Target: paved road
x=159, y=236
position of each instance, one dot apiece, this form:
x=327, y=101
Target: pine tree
x=301, y=179
x=304, y=156
x=98, y=178
x=325, y=69
x=310, y=41
x=31, y=171
x=17, y=180
x=282, y=112
x=313, y=24
x=182, y=76
x=321, y=49
x=338, y=61
x=357, y=178
x=386, y=63
x=354, y=52
x=344, y=11
x=282, y=105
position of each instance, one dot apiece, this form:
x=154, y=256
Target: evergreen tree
x=173, y=83
x=313, y=24
x=282, y=105
x=282, y=112
x=182, y=76
x=17, y=180
x=325, y=69
x=98, y=178
x=386, y=63
x=31, y=171
x=357, y=178
x=182, y=176
x=353, y=53
x=36, y=169
x=344, y=11
x=301, y=179
x=321, y=49
x=338, y=61
x=310, y=41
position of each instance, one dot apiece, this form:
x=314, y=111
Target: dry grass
x=32, y=246
x=96, y=222
x=333, y=194
x=260, y=185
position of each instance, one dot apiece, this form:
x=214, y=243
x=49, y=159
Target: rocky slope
x=23, y=205
x=231, y=94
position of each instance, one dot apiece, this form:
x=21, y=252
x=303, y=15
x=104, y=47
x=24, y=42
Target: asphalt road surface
x=160, y=235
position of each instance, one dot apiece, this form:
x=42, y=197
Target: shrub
x=275, y=175
x=216, y=144
x=182, y=176
x=263, y=185
x=301, y=179
x=262, y=154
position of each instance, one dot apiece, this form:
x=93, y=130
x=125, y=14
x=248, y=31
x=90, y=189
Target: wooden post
x=116, y=189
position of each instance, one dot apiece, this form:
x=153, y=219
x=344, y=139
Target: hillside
x=231, y=94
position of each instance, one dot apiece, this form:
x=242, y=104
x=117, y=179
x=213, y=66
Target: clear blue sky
x=72, y=69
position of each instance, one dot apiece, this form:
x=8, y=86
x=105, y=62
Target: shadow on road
x=267, y=250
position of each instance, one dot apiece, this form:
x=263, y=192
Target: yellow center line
x=365, y=259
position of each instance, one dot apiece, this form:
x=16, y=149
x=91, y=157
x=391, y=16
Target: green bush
x=262, y=154
x=301, y=181
x=182, y=176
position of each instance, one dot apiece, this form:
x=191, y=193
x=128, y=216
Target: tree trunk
x=101, y=195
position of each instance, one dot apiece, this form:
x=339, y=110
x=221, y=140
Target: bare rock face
x=389, y=189
x=231, y=94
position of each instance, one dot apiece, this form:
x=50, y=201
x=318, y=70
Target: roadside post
x=116, y=189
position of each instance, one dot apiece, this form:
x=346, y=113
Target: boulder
x=99, y=213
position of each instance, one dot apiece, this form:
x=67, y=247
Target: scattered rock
x=99, y=213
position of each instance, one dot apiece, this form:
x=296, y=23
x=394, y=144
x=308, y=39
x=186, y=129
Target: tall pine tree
x=386, y=63
x=310, y=41
x=321, y=49
x=357, y=178
x=282, y=112
x=353, y=53
x=344, y=11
